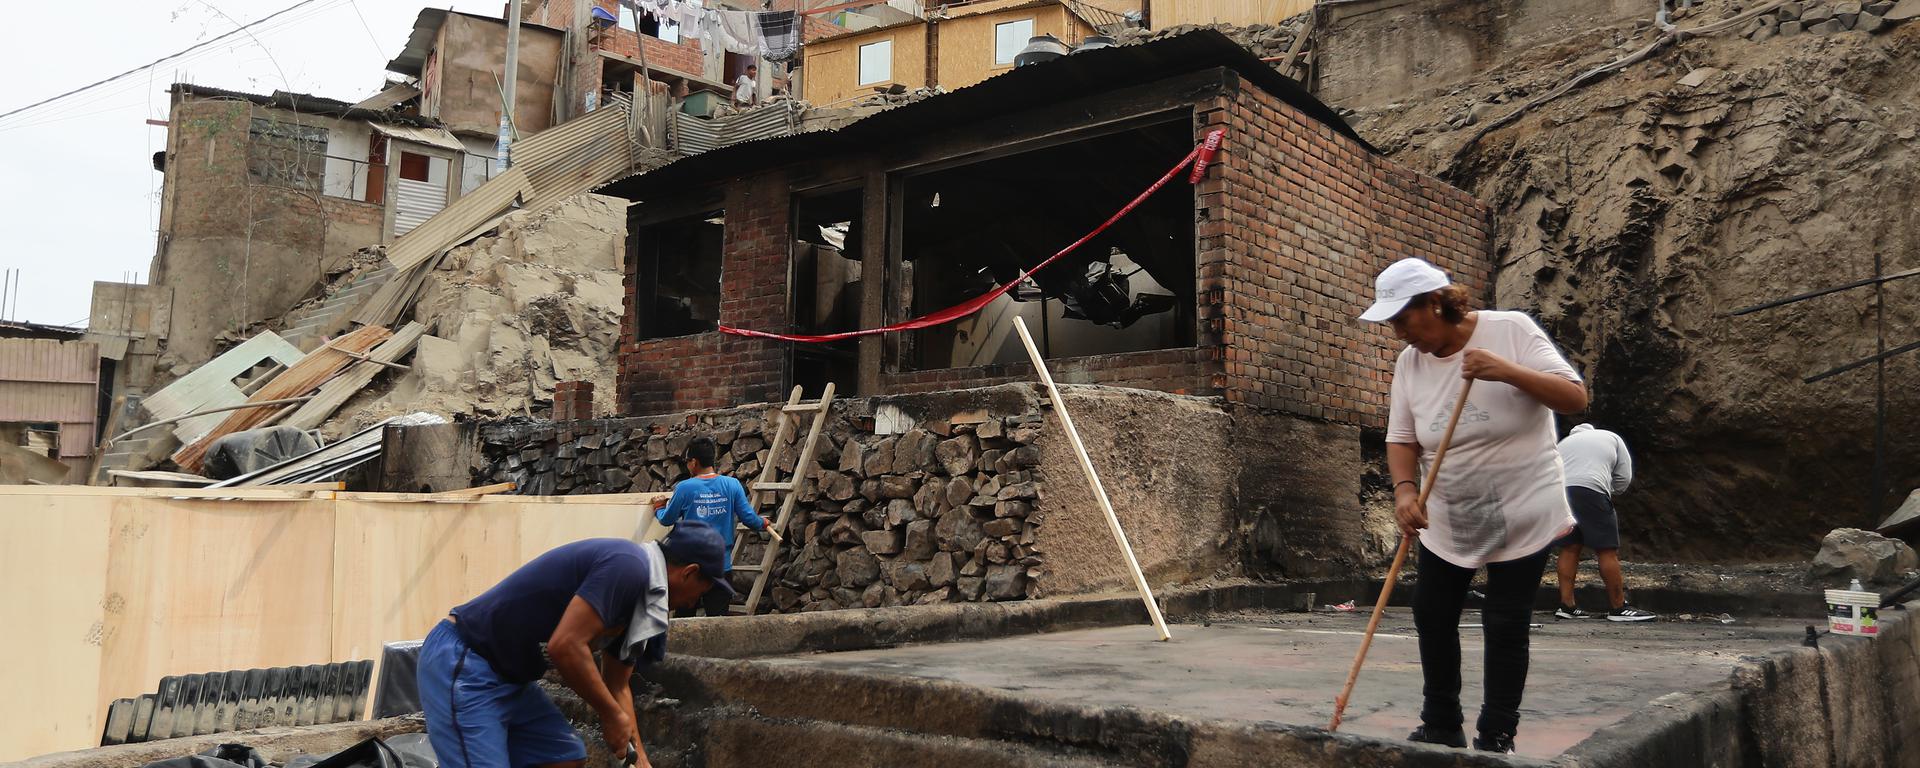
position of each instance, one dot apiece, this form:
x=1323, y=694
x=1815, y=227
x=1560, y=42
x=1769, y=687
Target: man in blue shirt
x=713, y=499
x=478, y=667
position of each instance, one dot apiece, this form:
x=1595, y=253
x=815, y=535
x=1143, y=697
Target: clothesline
x=772, y=35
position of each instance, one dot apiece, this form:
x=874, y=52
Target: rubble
x=510, y=315
x=1851, y=553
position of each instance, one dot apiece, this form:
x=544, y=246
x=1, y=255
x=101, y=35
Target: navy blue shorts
x=477, y=720
x=1595, y=525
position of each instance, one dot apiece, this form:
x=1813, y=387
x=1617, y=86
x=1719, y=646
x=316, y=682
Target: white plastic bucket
x=1853, y=613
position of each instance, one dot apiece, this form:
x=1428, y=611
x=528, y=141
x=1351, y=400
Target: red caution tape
x=1207, y=150
x=1200, y=152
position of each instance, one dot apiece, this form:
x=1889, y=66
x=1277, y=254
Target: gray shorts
x=1594, y=523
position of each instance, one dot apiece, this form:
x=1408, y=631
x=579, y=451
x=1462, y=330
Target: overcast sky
x=78, y=193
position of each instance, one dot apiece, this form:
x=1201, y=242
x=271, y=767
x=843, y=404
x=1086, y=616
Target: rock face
x=1633, y=214
x=1851, y=553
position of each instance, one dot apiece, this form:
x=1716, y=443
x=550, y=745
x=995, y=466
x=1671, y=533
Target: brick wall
x=716, y=370
x=1296, y=222
x=685, y=57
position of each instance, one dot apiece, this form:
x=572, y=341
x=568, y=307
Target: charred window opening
x=970, y=228
x=677, y=276
x=826, y=288
x=286, y=154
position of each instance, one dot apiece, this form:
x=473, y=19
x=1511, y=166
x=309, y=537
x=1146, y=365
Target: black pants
x=714, y=602
x=1438, y=599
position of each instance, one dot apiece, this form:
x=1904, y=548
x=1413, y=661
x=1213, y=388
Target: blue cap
x=692, y=541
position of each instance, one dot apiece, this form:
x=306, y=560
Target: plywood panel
x=832, y=72
x=1168, y=13
x=545, y=526
x=212, y=585
x=965, y=54
x=53, y=563
x=401, y=567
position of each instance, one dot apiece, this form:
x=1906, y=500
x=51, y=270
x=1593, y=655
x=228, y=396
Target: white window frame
x=883, y=61
x=628, y=20
x=1003, y=57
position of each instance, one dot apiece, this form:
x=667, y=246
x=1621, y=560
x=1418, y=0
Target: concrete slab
x=1286, y=668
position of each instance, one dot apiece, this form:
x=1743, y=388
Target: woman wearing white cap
x=1499, y=501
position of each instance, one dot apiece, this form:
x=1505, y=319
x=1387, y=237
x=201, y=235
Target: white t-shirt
x=743, y=89
x=1501, y=494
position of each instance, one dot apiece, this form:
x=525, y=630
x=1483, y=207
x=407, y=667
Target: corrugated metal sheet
x=578, y=155
x=694, y=135
x=219, y=702
x=414, y=202
x=74, y=362
x=45, y=380
x=471, y=210
x=433, y=137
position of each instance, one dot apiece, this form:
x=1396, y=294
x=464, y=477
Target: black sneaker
x=1630, y=613
x=1500, y=744
x=1455, y=738
x=1571, y=612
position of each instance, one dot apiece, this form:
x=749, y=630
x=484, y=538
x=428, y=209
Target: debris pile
x=943, y=512
x=1633, y=213
x=510, y=315
x=1267, y=41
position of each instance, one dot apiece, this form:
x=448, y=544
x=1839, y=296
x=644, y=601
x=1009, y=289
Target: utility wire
x=157, y=62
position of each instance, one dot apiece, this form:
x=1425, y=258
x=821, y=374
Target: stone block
x=937, y=596
x=898, y=487
x=1847, y=12
x=1019, y=491
x=958, y=531
x=853, y=457
x=1789, y=28
x=989, y=429
x=1868, y=23
x=999, y=553
x=1006, y=582
x=1851, y=553
x=1790, y=11
x=920, y=541
x=1831, y=26
x=900, y=512
x=1023, y=457
x=1881, y=8
x=909, y=576
x=969, y=588
x=941, y=572
x=1001, y=527
x=847, y=531
x=885, y=542
x=856, y=568
x=956, y=456
x=836, y=485
x=974, y=566
x=1818, y=14
x=931, y=499
x=914, y=450
x=1013, y=509
x=958, y=491
x=879, y=461
x=870, y=489
x=875, y=596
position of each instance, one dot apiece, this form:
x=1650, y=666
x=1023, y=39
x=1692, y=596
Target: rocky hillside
x=1634, y=213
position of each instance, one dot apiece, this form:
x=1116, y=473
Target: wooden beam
x=873, y=264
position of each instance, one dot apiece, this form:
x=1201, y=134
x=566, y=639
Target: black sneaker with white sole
x=1455, y=738
x=1571, y=612
x=1630, y=613
x=1500, y=744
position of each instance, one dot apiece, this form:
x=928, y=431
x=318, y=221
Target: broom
x=1399, y=559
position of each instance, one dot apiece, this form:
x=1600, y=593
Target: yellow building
x=958, y=46
x=1172, y=13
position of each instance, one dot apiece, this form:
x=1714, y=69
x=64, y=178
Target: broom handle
x=1399, y=559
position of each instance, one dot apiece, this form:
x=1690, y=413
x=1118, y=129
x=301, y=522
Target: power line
x=159, y=61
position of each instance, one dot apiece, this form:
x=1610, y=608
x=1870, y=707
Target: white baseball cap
x=1398, y=284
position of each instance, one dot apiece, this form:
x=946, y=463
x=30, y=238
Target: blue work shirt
x=716, y=500
x=509, y=624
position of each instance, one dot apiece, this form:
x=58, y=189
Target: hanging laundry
x=779, y=34
x=739, y=33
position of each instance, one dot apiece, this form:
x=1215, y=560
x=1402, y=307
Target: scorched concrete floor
x=1287, y=668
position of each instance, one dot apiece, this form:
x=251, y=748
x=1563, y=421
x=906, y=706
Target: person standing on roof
x=714, y=500
x=478, y=667
x=1598, y=468
x=1499, y=501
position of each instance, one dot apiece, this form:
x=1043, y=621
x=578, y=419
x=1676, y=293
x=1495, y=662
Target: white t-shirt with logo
x=1501, y=493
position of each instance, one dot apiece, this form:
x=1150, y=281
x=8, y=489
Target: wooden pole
x=1093, y=479
x=1399, y=559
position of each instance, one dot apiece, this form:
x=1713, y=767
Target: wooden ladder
x=768, y=485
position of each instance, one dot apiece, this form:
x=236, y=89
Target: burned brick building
x=1243, y=287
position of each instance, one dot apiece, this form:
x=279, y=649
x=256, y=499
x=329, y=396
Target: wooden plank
x=1169, y=13
x=466, y=495
x=303, y=377
x=786, y=505
x=336, y=392
x=270, y=493
x=213, y=585
x=53, y=559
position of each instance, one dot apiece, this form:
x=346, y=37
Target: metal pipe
x=182, y=417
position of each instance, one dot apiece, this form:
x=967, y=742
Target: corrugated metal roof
x=42, y=401
x=469, y=211
x=577, y=155
x=305, y=104
x=433, y=137
x=1022, y=88
x=693, y=135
